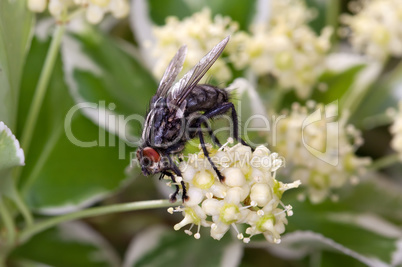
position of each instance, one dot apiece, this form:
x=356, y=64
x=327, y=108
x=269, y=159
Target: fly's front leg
x=183, y=185
x=173, y=196
x=172, y=167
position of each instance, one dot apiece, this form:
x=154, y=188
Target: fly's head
x=151, y=161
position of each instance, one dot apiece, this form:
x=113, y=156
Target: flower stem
x=332, y=17
x=48, y=223
x=386, y=161
x=8, y=223
x=22, y=207
x=41, y=87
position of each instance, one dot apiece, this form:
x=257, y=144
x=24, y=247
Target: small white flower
x=200, y=33
x=249, y=195
x=286, y=47
x=94, y=14
x=376, y=27
x=37, y=5
x=95, y=10
x=332, y=163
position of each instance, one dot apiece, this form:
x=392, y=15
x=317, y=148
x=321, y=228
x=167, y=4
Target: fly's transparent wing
x=183, y=87
x=171, y=72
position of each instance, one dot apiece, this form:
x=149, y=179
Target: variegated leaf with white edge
x=161, y=246
x=11, y=154
x=80, y=246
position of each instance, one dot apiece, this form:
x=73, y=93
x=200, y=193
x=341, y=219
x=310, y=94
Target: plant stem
x=48, y=223
x=386, y=161
x=22, y=207
x=41, y=87
x=332, y=17
x=8, y=223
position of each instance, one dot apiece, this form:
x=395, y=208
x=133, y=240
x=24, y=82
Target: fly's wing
x=171, y=72
x=182, y=88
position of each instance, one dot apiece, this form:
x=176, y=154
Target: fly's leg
x=215, y=140
x=236, y=125
x=177, y=171
x=183, y=185
x=173, y=196
x=206, y=153
x=222, y=109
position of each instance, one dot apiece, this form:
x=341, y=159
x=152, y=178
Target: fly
x=178, y=112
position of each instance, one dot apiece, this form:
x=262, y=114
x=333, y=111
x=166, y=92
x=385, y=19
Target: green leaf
x=383, y=94
x=11, y=154
x=302, y=243
x=96, y=69
x=318, y=23
x=16, y=24
x=333, y=259
x=338, y=83
x=239, y=10
x=362, y=221
x=70, y=244
x=61, y=174
x=158, y=246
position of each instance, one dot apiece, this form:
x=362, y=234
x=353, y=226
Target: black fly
x=177, y=114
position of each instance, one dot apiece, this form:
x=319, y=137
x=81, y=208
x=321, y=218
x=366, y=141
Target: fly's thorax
x=164, y=126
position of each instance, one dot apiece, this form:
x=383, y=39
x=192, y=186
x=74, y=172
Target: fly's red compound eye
x=150, y=153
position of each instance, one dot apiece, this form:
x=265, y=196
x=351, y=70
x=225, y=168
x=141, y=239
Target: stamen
x=197, y=235
x=191, y=227
x=278, y=213
x=252, y=205
x=178, y=209
x=289, y=210
x=230, y=141
x=189, y=230
x=214, y=226
x=209, y=195
x=260, y=213
x=170, y=210
x=239, y=235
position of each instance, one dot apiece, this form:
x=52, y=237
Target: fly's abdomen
x=205, y=97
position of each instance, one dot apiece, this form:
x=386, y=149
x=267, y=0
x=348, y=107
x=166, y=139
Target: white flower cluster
x=200, y=33
x=249, y=195
x=286, y=47
x=319, y=149
x=376, y=28
x=95, y=9
x=396, y=130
